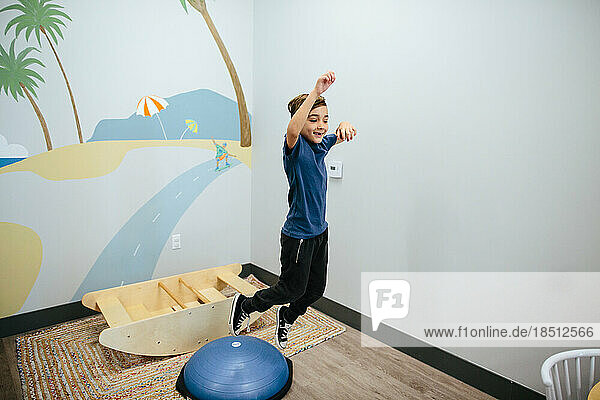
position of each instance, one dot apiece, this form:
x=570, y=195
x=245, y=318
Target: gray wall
x=478, y=144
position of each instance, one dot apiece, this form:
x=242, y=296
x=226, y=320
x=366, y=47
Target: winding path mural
x=132, y=254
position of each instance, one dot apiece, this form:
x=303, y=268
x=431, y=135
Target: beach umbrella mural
x=152, y=105
x=192, y=126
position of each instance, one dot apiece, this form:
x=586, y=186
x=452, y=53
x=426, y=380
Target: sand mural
x=20, y=258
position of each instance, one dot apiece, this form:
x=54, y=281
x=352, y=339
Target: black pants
x=303, y=276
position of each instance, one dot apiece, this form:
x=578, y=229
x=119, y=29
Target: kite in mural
x=152, y=105
x=192, y=126
x=222, y=154
x=20, y=80
x=45, y=17
x=245, y=137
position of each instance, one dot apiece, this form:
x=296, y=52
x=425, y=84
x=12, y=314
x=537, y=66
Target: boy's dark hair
x=297, y=101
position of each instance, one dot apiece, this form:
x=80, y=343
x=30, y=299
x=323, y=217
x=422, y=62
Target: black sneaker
x=283, y=327
x=237, y=316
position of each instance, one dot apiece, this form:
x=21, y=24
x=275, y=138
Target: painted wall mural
x=35, y=16
x=11, y=152
x=21, y=258
x=245, y=138
x=215, y=127
x=21, y=81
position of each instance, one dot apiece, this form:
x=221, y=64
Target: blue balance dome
x=236, y=367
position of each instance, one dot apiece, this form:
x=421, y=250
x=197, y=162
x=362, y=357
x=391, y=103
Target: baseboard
x=30, y=321
x=461, y=369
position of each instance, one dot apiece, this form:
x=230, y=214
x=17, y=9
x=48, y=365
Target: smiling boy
x=304, y=236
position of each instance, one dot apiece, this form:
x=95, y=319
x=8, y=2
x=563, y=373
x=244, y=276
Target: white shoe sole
x=276, y=330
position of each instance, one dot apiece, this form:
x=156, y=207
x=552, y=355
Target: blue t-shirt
x=304, y=166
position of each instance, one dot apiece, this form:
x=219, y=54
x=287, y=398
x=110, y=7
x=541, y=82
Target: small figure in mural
x=222, y=154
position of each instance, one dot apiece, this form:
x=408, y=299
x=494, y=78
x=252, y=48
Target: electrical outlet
x=176, y=241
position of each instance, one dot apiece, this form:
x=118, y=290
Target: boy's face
x=316, y=126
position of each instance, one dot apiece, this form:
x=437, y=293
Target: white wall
x=478, y=144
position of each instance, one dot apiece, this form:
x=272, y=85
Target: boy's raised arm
x=299, y=118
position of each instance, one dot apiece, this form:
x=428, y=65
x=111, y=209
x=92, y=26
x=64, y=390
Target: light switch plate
x=335, y=169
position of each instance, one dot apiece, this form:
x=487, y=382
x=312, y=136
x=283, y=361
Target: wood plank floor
x=336, y=369
x=341, y=369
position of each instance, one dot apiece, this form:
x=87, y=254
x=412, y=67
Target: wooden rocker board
x=169, y=316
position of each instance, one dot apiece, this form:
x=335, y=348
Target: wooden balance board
x=168, y=316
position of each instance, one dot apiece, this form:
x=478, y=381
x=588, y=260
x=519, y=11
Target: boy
x=305, y=233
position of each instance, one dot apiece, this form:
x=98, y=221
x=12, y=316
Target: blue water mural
x=132, y=254
x=216, y=115
x=7, y=161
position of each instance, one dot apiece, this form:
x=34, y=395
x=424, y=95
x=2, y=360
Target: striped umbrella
x=151, y=105
x=191, y=125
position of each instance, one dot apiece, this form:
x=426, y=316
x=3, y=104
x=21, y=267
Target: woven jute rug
x=67, y=361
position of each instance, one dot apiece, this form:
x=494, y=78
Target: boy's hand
x=345, y=132
x=324, y=82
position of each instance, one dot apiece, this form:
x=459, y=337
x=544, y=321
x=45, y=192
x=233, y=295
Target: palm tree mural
x=20, y=80
x=245, y=136
x=45, y=17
